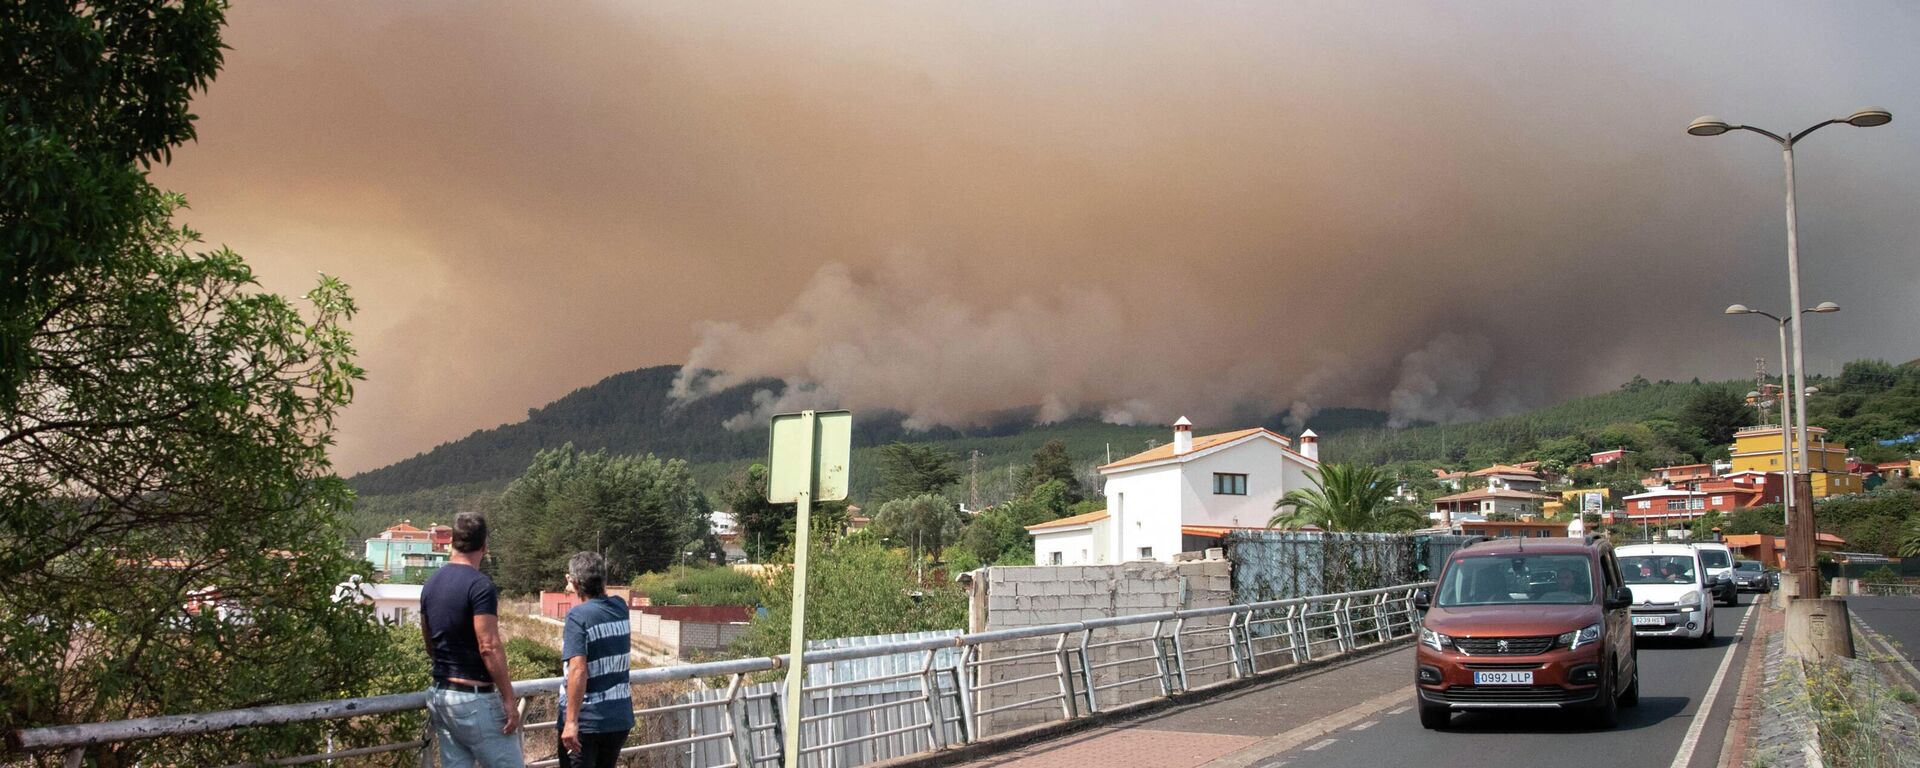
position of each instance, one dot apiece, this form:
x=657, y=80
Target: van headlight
x=1434, y=640
x=1690, y=600
x=1580, y=637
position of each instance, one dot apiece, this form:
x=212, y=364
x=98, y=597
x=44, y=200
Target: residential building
x=1771, y=551
x=392, y=603
x=1452, y=480
x=1178, y=497
x=1757, y=449
x=1604, y=458
x=1594, y=500
x=1662, y=505
x=1504, y=477
x=387, y=552
x=1678, y=475
x=1487, y=502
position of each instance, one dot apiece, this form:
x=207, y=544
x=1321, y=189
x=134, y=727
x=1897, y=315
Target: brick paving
x=1747, y=703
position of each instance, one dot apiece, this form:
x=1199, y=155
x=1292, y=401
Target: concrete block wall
x=1025, y=596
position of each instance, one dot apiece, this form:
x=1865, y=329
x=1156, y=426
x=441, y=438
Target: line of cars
x=1551, y=623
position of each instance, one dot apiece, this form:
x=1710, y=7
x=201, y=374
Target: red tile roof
x=1200, y=443
x=1069, y=522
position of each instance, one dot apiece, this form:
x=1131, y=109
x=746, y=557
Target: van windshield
x=1657, y=569
x=1517, y=579
x=1714, y=558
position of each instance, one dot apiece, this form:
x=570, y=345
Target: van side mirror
x=1422, y=600
x=1621, y=598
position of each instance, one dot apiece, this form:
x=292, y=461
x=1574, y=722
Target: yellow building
x=1574, y=498
x=1757, y=449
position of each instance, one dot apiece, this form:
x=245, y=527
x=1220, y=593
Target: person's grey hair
x=589, y=573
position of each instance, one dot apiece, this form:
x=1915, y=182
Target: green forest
x=1664, y=422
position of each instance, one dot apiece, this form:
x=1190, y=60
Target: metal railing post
x=1064, y=667
x=739, y=734
x=1180, y=653
x=1160, y=659
x=968, y=706
x=936, y=738
x=1343, y=622
x=1086, y=671
x=965, y=725
x=1297, y=637
x=1233, y=644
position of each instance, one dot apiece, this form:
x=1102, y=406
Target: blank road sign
x=793, y=459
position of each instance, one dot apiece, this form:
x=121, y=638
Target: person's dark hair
x=469, y=532
x=589, y=573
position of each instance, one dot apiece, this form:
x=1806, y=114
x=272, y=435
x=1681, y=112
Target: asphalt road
x=1674, y=681
x=1895, y=618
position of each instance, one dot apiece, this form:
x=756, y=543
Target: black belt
x=447, y=685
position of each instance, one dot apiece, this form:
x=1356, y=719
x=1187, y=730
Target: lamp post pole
x=1787, y=478
x=1800, y=535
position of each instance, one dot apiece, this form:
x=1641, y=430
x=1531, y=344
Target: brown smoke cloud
x=1449, y=210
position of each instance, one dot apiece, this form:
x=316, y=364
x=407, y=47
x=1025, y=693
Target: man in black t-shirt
x=459, y=617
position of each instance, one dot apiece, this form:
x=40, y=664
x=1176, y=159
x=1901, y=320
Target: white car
x=1671, y=594
x=1717, y=559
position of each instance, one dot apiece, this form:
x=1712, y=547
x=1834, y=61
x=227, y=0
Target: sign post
x=808, y=455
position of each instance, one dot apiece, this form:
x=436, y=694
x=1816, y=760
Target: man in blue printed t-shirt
x=594, y=647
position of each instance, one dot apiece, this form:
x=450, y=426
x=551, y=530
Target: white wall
x=1143, y=508
x=1147, y=506
x=1074, y=544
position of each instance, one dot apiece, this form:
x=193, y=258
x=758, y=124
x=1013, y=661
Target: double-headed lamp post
x=1790, y=471
x=1713, y=126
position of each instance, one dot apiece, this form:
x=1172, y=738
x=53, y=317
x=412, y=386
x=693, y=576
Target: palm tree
x=1347, y=498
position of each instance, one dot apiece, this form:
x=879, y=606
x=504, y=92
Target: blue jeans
x=467, y=726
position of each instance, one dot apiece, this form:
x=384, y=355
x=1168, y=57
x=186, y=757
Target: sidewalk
x=1748, y=704
x=1231, y=729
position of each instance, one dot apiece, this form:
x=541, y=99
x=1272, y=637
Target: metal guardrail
x=1891, y=590
x=1075, y=671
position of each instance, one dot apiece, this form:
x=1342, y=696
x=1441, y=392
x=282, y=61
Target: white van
x=1671, y=594
x=1718, y=561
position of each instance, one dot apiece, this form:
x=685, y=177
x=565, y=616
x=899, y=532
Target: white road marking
x=1365, y=725
x=1399, y=709
x=1319, y=745
x=1705, y=710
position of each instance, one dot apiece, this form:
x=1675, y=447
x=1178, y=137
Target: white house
x=1175, y=497
x=392, y=603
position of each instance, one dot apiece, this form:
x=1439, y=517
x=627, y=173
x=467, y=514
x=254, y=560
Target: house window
x=1644, y=504
x=1146, y=553
x=1676, y=504
x=1716, y=500
x=1229, y=484
x=1055, y=558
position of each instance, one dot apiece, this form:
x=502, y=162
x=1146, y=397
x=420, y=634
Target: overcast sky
x=1139, y=210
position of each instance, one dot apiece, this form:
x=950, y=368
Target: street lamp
x=1800, y=543
x=1791, y=473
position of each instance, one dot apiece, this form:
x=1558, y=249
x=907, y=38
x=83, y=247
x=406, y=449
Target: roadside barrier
x=932, y=701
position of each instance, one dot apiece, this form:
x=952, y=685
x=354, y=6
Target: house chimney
x=1182, y=436
x=1310, y=445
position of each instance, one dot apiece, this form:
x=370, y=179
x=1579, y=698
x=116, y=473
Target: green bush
x=529, y=659
x=700, y=585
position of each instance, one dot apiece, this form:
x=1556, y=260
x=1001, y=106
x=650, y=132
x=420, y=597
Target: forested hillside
x=631, y=413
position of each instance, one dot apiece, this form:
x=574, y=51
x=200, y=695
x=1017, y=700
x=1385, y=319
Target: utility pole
x=973, y=480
